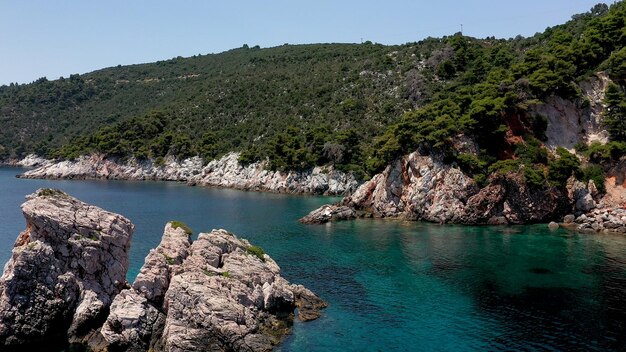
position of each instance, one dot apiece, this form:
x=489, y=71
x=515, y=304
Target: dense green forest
x=357, y=106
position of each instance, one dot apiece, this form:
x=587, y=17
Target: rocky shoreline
x=419, y=187
x=65, y=283
x=225, y=172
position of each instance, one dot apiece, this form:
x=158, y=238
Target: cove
x=391, y=285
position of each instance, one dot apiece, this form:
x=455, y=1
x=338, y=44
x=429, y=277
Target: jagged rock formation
x=415, y=187
x=66, y=268
x=225, y=172
x=418, y=187
x=66, y=282
x=218, y=293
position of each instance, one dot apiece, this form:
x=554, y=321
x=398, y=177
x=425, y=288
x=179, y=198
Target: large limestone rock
x=66, y=268
x=418, y=187
x=414, y=187
x=217, y=294
x=225, y=172
x=569, y=123
x=581, y=195
x=329, y=213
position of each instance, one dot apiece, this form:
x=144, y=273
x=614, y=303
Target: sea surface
x=391, y=285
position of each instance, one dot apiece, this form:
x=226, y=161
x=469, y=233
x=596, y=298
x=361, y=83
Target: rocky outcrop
x=65, y=270
x=615, y=185
x=572, y=122
x=509, y=200
x=329, y=213
x=581, y=195
x=418, y=187
x=225, y=172
x=66, y=282
x=31, y=160
x=218, y=293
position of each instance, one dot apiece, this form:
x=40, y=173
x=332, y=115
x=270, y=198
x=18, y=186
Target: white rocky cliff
x=226, y=172
x=66, y=268
x=569, y=123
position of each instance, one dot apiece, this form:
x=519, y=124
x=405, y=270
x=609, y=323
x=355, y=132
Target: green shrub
x=534, y=176
x=602, y=153
x=169, y=260
x=481, y=180
x=226, y=274
x=51, y=192
x=596, y=173
x=257, y=251
x=179, y=224
x=470, y=163
x=503, y=167
x=532, y=151
x=562, y=168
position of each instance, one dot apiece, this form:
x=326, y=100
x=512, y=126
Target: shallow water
x=391, y=286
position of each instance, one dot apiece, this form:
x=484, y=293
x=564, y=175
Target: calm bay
x=391, y=285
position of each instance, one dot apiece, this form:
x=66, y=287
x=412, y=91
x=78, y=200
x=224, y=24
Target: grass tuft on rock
x=257, y=251
x=51, y=192
x=179, y=224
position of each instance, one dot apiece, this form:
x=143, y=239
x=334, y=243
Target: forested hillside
x=357, y=106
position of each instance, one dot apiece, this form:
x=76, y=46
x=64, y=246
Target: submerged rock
x=328, y=213
x=218, y=293
x=65, y=270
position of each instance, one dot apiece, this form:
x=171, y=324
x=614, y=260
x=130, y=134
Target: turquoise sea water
x=391, y=286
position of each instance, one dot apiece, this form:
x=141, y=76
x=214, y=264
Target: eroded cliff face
x=66, y=268
x=415, y=187
x=418, y=187
x=225, y=172
x=213, y=294
x=571, y=122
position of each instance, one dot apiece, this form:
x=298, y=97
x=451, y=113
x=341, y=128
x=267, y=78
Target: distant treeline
x=356, y=106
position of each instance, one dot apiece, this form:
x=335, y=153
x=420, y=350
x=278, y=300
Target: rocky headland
x=419, y=187
x=66, y=282
x=225, y=172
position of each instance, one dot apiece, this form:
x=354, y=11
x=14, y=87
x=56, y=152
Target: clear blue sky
x=55, y=38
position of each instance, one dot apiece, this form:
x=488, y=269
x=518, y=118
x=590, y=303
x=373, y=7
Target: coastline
x=225, y=172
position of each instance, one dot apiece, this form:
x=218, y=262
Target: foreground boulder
x=218, y=293
x=66, y=268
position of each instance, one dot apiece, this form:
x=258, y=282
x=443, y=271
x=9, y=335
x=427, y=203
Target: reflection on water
x=391, y=285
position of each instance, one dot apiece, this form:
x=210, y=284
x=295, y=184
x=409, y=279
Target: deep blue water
x=391, y=285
